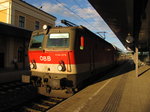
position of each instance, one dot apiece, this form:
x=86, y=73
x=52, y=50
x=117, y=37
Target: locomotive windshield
x=36, y=41
x=58, y=40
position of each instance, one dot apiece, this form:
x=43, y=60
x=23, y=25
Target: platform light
x=129, y=39
x=129, y=49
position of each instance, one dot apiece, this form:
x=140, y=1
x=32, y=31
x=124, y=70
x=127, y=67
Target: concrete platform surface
x=121, y=91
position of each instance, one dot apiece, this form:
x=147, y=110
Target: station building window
x=21, y=21
x=37, y=25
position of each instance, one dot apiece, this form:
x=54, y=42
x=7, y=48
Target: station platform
x=12, y=75
x=119, y=91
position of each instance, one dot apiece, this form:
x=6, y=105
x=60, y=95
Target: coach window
x=36, y=41
x=21, y=21
x=58, y=40
x=37, y=25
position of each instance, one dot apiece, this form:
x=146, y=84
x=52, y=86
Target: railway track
x=20, y=97
x=14, y=93
x=39, y=104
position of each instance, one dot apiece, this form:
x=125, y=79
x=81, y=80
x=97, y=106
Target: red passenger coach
x=62, y=58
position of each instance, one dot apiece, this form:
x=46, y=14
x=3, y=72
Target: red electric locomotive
x=61, y=58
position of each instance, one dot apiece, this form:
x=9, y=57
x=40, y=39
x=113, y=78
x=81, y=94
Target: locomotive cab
x=51, y=58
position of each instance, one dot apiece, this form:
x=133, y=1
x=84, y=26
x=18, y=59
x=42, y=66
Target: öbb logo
x=45, y=58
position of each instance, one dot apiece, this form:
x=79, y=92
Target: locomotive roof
x=76, y=27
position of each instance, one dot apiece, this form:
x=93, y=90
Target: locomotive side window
x=58, y=40
x=37, y=41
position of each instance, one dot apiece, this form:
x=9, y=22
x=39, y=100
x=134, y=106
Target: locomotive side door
x=92, y=60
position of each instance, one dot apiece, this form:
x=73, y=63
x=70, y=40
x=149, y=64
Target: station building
x=17, y=16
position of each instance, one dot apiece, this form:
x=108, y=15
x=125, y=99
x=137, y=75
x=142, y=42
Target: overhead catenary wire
x=75, y=13
x=75, y=1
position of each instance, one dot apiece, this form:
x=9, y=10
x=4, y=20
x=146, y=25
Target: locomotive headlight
x=45, y=27
x=31, y=65
x=60, y=68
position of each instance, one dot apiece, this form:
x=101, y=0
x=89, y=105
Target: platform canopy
x=13, y=31
x=127, y=17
